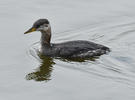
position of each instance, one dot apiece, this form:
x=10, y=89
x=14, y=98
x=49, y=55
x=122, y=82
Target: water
x=25, y=76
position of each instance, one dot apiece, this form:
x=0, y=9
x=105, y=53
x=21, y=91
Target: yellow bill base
x=30, y=30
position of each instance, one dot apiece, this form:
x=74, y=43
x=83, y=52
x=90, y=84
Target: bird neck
x=46, y=37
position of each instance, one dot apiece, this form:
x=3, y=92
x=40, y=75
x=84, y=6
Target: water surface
x=25, y=75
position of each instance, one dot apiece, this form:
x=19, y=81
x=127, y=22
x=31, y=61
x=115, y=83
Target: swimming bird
x=70, y=49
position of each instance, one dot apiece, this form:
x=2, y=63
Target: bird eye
x=37, y=26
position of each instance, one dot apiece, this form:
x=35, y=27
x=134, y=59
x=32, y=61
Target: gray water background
x=108, y=22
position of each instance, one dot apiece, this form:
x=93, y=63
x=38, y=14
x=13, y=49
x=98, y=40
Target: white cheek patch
x=45, y=28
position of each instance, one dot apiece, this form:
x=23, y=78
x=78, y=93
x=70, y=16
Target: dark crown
x=40, y=22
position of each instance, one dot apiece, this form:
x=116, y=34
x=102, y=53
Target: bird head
x=39, y=25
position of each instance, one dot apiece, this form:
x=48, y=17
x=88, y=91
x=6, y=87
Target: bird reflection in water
x=43, y=72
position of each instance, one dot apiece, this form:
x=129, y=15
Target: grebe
x=70, y=49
